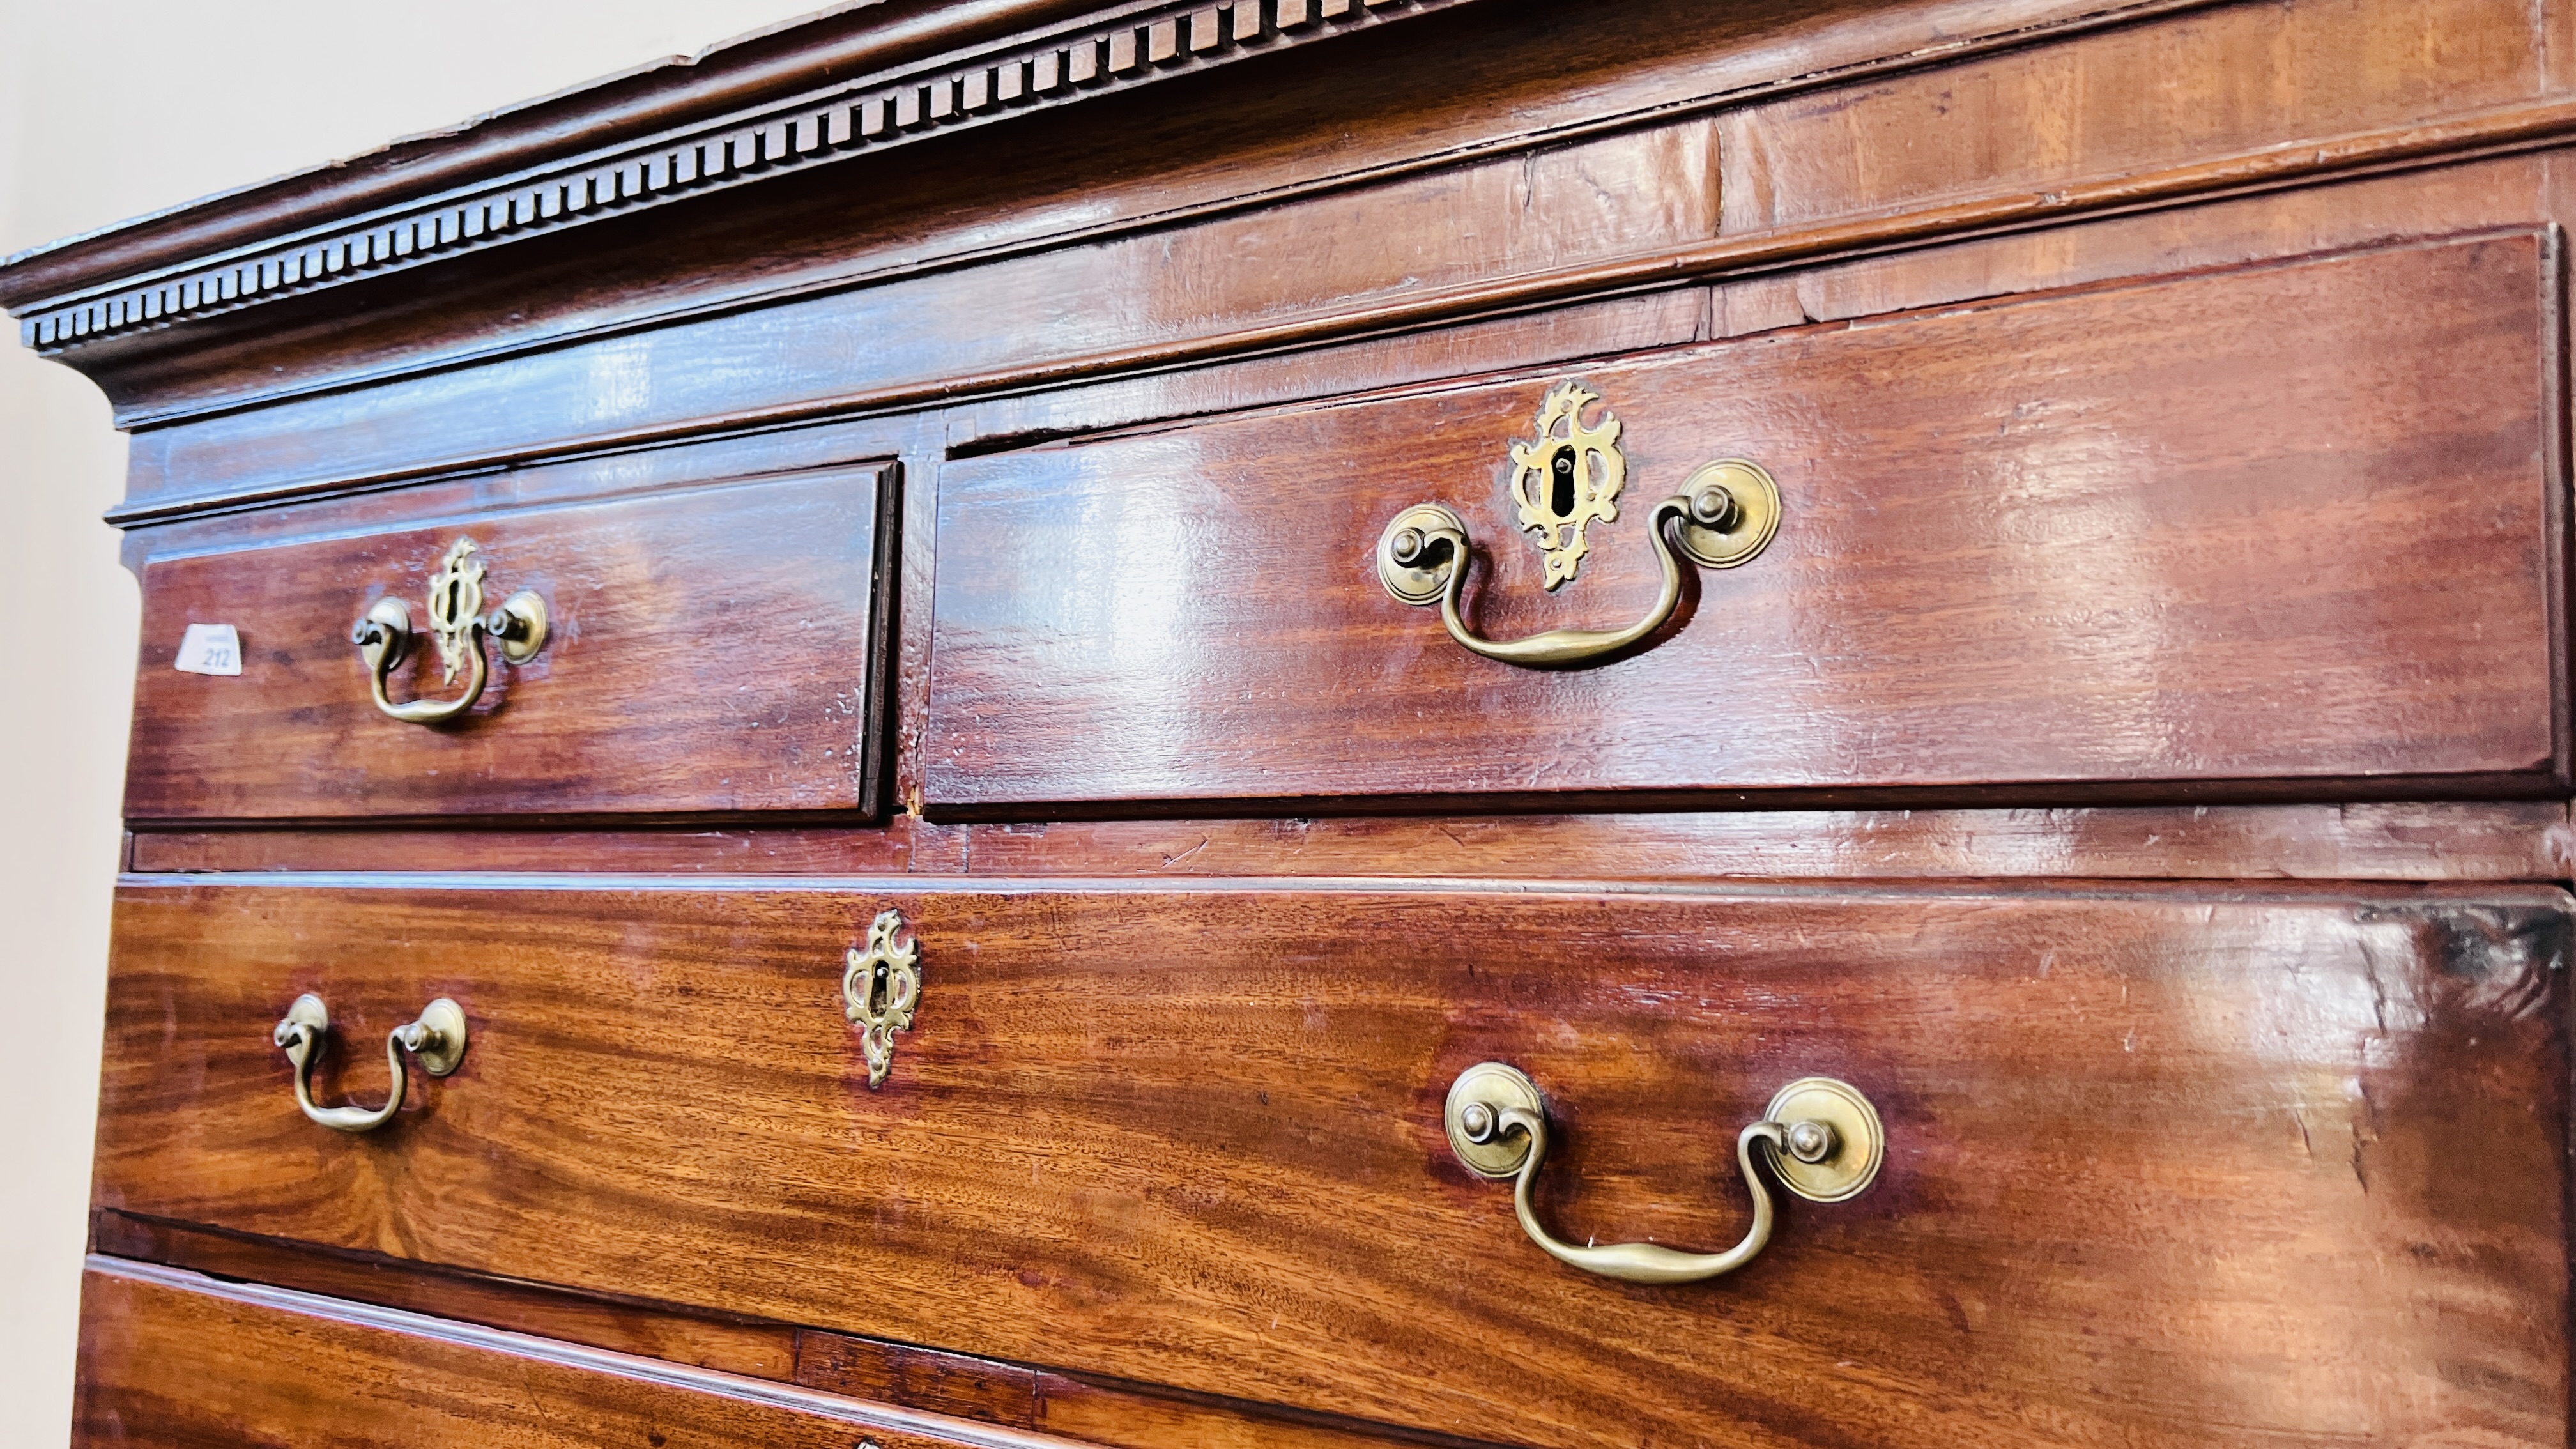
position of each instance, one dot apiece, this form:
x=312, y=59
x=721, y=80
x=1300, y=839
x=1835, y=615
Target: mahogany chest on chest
x=1301, y=724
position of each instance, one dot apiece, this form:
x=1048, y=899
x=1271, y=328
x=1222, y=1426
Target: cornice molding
x=2507, y=130
x=528, y=171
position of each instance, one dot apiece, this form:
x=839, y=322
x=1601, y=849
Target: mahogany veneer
x=172, y=1358
x=2225, y=528
x=1195, y=1138
x=951, y=440
x=710, y=651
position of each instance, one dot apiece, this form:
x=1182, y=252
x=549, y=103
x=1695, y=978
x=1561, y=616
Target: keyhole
x=1560, y=471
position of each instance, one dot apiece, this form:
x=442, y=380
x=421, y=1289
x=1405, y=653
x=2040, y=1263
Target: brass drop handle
x=384, y=636
x=1820, y=1137
x=437, y=1038
x=1724, y=515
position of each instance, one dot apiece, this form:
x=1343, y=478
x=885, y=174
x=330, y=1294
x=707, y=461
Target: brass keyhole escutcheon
x=880, y=989
x=1567, y=478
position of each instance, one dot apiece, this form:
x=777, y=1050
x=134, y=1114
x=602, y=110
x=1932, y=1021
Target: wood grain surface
x=172, y=1358
x=1376, y=114
x=731, y=1344
x=2220, y=529
x=1091, y=1408
x=2140, y=764
x=1086, y=1407
x=2122, y=101
x=2168, y=1163
x=1613, y=197
x=2136, y=241
x=2399, y=841
x=710, y=649
x=878, y=296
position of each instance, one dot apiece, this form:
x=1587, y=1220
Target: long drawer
x=2292, y=527
x=707, y=649
x=2160, y=1164
x=172, y=1358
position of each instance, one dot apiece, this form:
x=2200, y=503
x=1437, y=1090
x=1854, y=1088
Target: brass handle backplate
x=1820, y=1137
x=437, y=1039
x=1563, y=482
x=384, y=636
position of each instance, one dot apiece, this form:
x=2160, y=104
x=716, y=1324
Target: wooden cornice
x=851, y=81
x=2494, y=132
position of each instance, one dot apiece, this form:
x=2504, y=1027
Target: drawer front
x=2261, y=529
x=2161, y=1164
x=173, y=1358
x=713, y=649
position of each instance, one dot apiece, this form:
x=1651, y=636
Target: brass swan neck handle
x=384, y=636
x=1820, y=1137
x=437, y=1038
x=1724, y=515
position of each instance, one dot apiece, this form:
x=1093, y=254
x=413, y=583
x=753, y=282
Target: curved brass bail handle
x=1559, y=647
x=437, y=1038
x=1725, y=515
x=384, y=636
x=1644, y=1262
x=1821, y=1137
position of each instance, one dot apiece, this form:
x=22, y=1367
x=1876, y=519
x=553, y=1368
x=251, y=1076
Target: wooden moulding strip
x=516, y=171
x=1051, y=72
x=2499, y=130
x=755, y=69
x=360, y=1288
x=1117, y=48
x=2527, y=841
x=519, y=1346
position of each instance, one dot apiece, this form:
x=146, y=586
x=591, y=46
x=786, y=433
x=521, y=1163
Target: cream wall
x=109, y=108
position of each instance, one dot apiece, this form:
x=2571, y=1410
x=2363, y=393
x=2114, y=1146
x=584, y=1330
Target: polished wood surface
x=2125, y=101
x=1372, y=113
x=363, y=390
x=2219, y=530
x=1079, y=51
x=1090, y=1408
x=711, y=649
x=174, y=1358
x=728, y=1343
x=1988, y=249
x=952, y=438
x=2397, y=841
x=2166, y=1161
x=1086, y=1407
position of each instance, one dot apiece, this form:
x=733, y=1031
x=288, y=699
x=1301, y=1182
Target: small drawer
x=2161, y=1166
x=709, y=649
x=174, y=1358
x=2285, y=528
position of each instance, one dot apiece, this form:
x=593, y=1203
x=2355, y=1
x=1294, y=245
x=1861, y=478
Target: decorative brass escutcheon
x=457, y=625
x=1567, y=477
x=879, y=989
x=1565, y=480
x=437, y=1039
x=1820, y=1137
